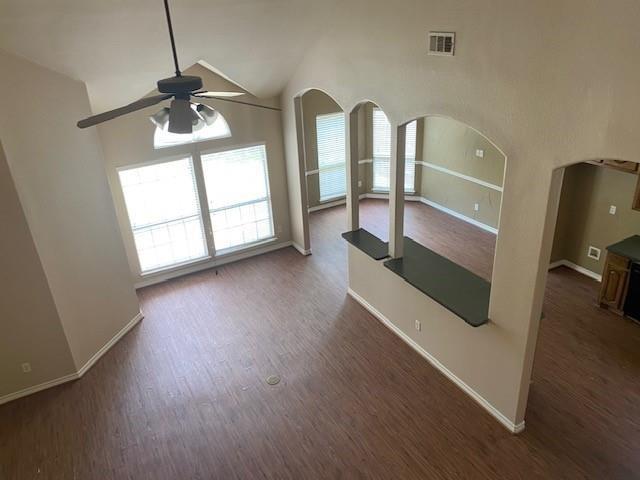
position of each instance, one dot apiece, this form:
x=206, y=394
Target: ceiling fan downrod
x=173, y=42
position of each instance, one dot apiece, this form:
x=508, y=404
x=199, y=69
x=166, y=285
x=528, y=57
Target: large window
x=382, y=153
x=330, y=132
x=238, y=194
x=162, y=202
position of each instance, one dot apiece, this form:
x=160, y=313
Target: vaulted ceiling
x=121, y=47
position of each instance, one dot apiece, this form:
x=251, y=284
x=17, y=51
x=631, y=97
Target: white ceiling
x=120, y=48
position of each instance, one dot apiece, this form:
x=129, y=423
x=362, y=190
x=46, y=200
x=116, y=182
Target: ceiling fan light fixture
x=181, y=117
x=208, y=114
x=161, y=118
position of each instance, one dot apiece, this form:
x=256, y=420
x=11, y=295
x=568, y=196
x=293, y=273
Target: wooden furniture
x=636, y=196
x=615, y=278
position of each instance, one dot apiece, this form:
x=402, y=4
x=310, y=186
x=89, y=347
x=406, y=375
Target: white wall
x=536, y=79
x=60, y=179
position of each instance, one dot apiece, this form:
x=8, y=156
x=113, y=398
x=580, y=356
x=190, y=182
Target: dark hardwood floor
x=183, y=396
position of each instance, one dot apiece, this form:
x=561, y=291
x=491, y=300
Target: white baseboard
x=322, y=206
x=437, y=206
x=460, y=216
x=91, y=362
x=303, y=251
x=577, y=268
x=76, y=375
x=512, y=427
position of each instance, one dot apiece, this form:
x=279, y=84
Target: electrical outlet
x=418, y=325
x=480, y=153
x=612, y=209
x=359, y=183
x=476, y=207
x=26, y=367
x=279, y=229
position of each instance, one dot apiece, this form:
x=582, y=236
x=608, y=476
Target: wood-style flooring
x=183, y=395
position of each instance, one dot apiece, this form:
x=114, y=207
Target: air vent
x=442, y=43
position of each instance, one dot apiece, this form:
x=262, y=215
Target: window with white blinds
x=382, y=153
x=330, y=134
x=237, y=188
x=163, y=207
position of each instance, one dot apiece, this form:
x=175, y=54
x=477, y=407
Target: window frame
x=194, y=154
x=131, y=231
x=267, y=180
x=334, y=166
x=387, y=159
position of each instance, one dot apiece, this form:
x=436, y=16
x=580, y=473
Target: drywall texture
x=530, y=76
x=60, y=180
x=128, y=141
x=584, y=220
x=452, y=146
x=29, y=322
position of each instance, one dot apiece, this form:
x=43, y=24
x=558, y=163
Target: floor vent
x=442, y=43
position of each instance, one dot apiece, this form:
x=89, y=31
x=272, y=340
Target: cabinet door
x=616, y=280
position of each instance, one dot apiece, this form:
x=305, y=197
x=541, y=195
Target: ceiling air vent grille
x=442, y=43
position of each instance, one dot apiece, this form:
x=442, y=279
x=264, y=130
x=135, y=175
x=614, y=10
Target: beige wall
x=533, y=78
x=452, y=145
x=60, y=180
x=129, y=141
x=29, y=322
x=583, y=218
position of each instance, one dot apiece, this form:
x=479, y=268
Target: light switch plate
x=476, y=207
x=613, y=209
x=480, y=153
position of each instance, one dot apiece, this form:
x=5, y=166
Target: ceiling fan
x=182, y=116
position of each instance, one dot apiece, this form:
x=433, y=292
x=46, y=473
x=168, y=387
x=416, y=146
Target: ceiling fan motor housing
x=182, y=84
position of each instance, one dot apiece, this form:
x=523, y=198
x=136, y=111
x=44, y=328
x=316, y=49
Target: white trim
x=214, y=262
x=300, y=249
x=322, y=206
x=577, y=268
x=107, y=346
x=37, y=388
x=76, y=375
x=433, y=166
x=512, y=427
x=453, y=213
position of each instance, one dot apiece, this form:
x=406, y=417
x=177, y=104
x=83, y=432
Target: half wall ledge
x=452, y=286
x=368, y=243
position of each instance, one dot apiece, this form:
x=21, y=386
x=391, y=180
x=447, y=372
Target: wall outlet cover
x=613, y=209
x=359, y=183
x=594, y=253
x=26, y=367
x=418, y=325
x=480, y=153
x=476, y=207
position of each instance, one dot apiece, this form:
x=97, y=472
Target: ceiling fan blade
x=276, y=109
x=118, y=112
x=217, y=94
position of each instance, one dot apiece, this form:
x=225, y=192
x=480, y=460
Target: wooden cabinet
x=636, y=197
x=615, y=279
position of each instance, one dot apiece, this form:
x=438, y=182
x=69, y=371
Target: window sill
x=246, y=246
x=175, y=266
x=332, y=199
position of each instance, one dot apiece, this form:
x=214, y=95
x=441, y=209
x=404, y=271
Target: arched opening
x=322, y=141
x=588, y=337
x=454, y=209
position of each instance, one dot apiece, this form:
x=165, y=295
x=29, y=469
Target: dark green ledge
x=629, y=247
x=368, y=243
x=452, y=286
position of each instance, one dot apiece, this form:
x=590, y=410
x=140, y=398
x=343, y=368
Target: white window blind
x=163, y=207
x=238, y=194
x=330, y=133
x=382, y=153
